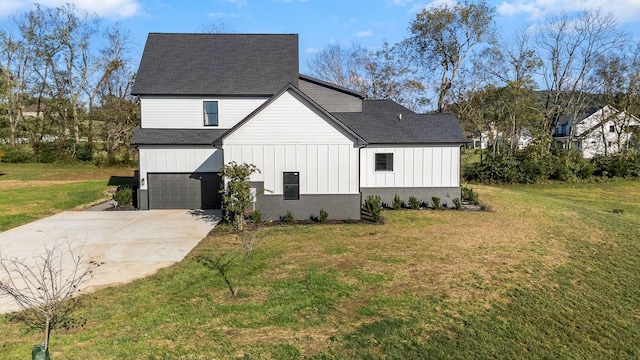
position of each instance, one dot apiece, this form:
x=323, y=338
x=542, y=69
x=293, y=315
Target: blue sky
x=318, y=22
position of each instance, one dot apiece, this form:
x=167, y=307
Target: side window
x=291, y=185
x=612, y=128
x=210, y=109
x=384, y=162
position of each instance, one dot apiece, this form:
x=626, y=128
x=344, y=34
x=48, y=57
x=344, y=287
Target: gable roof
x=379, y=123
x=144, y=136
x=289, y=87
x=217, y=64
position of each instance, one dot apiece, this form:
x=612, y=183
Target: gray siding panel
x=184, y=191
x=339, y=206
x=331, y=100
x=446, y=194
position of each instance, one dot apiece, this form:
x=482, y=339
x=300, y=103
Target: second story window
x=210, y=109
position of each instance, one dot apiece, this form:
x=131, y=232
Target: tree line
x=65, y=84
x=453, y=59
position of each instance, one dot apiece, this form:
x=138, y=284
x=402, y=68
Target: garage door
x=184, y=191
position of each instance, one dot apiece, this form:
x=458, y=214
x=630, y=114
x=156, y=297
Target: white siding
x=413, y=166
x=178, y=159
x=289, y=135
x=187, y=112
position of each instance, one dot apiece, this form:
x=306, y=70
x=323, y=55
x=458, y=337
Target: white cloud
x=363, y=33
x=240, y=3
x=103, y=8
x=623, y=10
x=311, y=50
x=217, y=15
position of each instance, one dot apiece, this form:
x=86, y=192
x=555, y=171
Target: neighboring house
x=209, y=99
x=597, y=132
x=494, y=137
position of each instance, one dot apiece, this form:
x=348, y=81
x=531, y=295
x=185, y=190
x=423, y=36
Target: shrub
x=324, y=215
x=123, y=195
x=436, y=202
x=84, y=152
x=16, y=155
x=397, y=203
x=288, y=217
x=373, y=206
x=255, y=216
x=414, y=203
x=456, y=203
x=469, y=195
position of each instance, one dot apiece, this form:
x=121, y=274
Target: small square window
x=384, y=162
x=210, y=109
x=612, y=128
x=291, y=185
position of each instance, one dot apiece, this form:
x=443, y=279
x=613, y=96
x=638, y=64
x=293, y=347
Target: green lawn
x=550, y=272
x=32, y=191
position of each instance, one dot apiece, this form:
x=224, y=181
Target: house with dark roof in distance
x=597, y=131
x=210, y=99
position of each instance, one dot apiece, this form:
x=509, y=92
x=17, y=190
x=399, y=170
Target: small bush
x=373, y=206
x=123, y=195
x=84, y=152
x=397, y=203
x=436, y=202
x=469, y=195
x=414, y=203
x=456, y=203
x=288, y=217
x=324, y=215
x=255, y=216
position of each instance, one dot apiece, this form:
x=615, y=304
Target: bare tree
x=442, y=37
x=380, y=74
x=44, y=288
x=570, y=48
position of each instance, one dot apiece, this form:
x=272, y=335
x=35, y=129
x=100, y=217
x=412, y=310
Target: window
x=291, y=185
x=612, y=128
x=384, y=162
x=210, y=113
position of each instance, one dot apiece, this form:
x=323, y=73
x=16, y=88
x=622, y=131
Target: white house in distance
x=598, y=131
x=209, y=99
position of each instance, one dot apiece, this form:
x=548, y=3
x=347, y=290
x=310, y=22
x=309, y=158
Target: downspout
x=360, y=147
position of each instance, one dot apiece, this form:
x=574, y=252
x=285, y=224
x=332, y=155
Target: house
x=210, y=99
x=597, y=131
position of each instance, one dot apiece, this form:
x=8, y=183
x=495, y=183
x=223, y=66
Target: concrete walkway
x=132, y=244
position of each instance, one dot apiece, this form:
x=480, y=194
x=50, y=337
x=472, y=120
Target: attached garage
x=184, y=190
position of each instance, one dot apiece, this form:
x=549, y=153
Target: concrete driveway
x=132, y=244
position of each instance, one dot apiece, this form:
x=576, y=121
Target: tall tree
x=570, y=48
x=442, y=37
x=378, y=74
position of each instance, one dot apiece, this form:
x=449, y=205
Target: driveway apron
x=131, y=244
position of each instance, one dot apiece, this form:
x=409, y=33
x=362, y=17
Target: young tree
x=44, y=288
x=442, y=37
x=237, y=194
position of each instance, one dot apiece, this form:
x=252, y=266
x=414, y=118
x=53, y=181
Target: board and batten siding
x=187, y=112
x=291, y=135
x=177, y=159
x=413, y=166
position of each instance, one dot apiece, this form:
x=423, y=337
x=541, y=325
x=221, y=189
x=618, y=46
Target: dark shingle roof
x=175, y=136
x=331, y=86
x=378, y=123
x=217, y=64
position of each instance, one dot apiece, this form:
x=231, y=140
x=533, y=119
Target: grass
x=32, y=191
x=550, y=272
